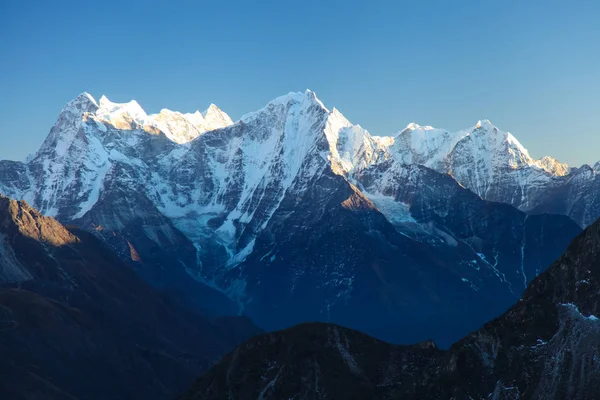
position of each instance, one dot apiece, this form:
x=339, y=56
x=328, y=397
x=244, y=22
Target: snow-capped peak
x=196, y=118
x=85, y=96
x=338, y=115
x=132, y=108
x=121, y=115
x=483, y=143
x=107, y=106
x=212, y=108
x=304, y=99
x=553, y=166
x=80, y=104
x=414, y=126
x=515, y=153
x=215, y=118
x=280, y=147
x=296, y=125
x=68, y=125
x=104, y=102
x=485, y=124
x=178, y=127
x=500, y=148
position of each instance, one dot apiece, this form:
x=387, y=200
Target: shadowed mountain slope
x=545, y=347
x=294, y=214
x=77, y=323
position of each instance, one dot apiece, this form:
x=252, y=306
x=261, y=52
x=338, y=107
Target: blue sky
x=531, y=67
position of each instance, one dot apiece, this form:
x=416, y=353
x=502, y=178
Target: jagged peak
x=585, y=169
x=308, y=96
x=216, y=118
x=132, y=107
x=483, y=124
x=553, y=166
x=31, y=223
x=434, y=145
x=413, y=126
x=335, y=113
x=517, y=153
x=313, y=97
x=503, y=143
x=212, y=108
x=85, y=96
x=499, y=136
x=120, y=115
x=104, y=101
x=196, y=118
x=487, y=125
x=67, y=125
x=306, y=99
x=84, y=102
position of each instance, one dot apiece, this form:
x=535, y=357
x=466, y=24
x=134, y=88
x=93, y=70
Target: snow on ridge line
x=573, y=307
x=435, y=144
x=298, y=97
x=178, y=127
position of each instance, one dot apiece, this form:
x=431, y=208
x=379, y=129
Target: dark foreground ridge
x=547, y=346
x=77, y=323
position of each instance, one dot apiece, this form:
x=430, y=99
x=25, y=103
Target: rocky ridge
x=544, y=347
x=235, y=206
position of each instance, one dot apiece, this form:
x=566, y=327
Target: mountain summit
x=293, y=201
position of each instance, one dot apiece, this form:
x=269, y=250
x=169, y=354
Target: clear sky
x=531, y=67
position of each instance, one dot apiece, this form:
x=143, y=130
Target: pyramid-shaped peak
x=104, y=101
x=212, y=108
x=84, y=102
x=304, y=100
x=214, y=117
x=485, y=124
x=86, y=97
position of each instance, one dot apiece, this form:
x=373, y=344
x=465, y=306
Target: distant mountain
x=77, y=323
x=295, y=214
x=546, y=346
x=494, y=165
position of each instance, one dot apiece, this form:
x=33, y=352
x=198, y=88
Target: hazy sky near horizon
x=531, y=67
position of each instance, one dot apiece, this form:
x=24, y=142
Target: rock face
x=495, y=166
x=546, y=346
x=77, y=323
x=437, y=278
x=295, y=214
x=576, y=196
x=492, y=163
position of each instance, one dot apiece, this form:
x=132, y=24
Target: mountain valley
x=544, y=347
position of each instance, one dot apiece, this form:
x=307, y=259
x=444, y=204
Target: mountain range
x=545, y=347
x=295, y=214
